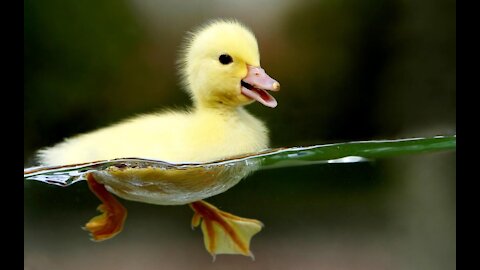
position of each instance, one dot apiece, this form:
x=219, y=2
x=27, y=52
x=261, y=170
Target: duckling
x=220, y=69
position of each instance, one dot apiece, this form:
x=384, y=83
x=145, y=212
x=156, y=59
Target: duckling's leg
x=110, y=222
x=224, y=233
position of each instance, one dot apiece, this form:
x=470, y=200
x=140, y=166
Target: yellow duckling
x=221, y=70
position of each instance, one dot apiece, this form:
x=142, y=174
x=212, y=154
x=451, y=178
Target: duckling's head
x=221, y=67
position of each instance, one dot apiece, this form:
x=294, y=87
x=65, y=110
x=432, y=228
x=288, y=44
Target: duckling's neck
x=218, y=109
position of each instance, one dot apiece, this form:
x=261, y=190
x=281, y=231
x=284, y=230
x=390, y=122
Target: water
x=322, y=206
x=274, y=158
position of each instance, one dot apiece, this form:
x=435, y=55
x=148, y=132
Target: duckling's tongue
x=256, y=84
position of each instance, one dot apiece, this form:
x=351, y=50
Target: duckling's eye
x=225, y=59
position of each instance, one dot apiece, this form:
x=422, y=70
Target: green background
x=349, y=70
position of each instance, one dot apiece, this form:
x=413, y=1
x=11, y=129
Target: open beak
x=256, y=84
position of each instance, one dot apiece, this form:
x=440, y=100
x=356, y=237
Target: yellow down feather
x=216, y=127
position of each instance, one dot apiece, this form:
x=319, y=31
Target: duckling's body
x=221, y=72
x=198, y=136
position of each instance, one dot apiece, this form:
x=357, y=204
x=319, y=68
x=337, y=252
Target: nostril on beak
x=276, y=86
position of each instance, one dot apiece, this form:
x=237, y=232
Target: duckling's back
x=200, y=136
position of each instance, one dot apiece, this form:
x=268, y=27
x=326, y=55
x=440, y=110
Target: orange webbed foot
x=224, y=233
x=110, y=222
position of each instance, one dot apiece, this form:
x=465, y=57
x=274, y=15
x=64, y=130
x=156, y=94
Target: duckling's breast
x=215, y=136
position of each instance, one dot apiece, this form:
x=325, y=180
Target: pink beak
x=256, y=84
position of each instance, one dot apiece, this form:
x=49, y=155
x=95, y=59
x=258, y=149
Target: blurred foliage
x=373, y=69
x=84, y=67
x=341, y=48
